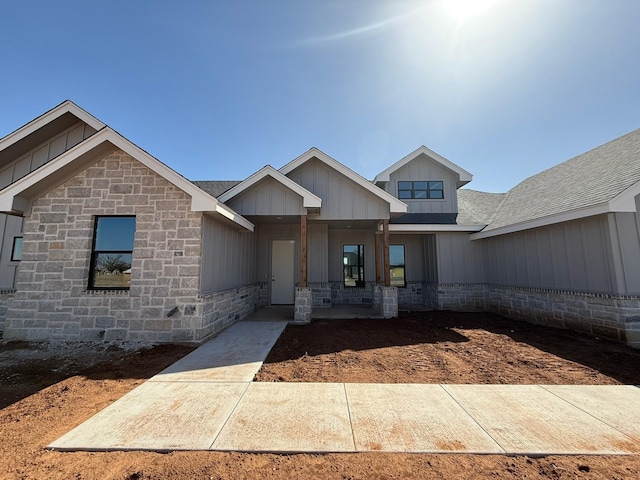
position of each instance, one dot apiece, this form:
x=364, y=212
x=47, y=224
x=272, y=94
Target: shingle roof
x=216, y=188
x=477, y=208
x=587, y=180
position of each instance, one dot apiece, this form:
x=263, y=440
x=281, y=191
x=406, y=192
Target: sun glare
x=463, y=10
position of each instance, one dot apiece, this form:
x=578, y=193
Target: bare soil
x=47, y=389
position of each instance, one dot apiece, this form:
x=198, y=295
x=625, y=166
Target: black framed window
x=353, y=264
x=112, y=253
x=397, y=266
x=16, y=251
x=421, y=190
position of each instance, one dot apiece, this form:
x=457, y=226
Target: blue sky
x=218, y=89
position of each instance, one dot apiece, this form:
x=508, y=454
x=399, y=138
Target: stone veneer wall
x=321, y=292
x=52, y=302
x=604, y=315
x=5, y=296
x=412, y=294
x=341, y=295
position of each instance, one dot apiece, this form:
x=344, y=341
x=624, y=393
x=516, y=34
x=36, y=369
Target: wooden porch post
x=303, y=251
x=385, y=245
x=378, y=254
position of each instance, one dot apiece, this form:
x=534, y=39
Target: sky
x=218, y=89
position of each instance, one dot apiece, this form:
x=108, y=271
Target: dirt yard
x=45, y=390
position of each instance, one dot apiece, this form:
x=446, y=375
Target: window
x=430, y=190
x=16, y=252
x=353, y=260
x=112, y=253
x=396, y=266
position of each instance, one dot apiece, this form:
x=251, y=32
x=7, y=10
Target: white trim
x=65, y=107
x=626, y=200
x=395, y=205
x=545, y=221
x=464, y=177
x=200, y=200
x=426, y=227
x=309, y=200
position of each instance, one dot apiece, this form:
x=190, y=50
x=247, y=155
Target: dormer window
x=421, y=190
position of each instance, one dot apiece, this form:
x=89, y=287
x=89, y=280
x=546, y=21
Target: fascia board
x=545, y=221
x=309, y=199
x=200, y=200
x=626, y=200
x=424, y=228
x=56, y=112
x=395, y=205
x=463, y=175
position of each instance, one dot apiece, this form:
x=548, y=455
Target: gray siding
x=266, y=233
x=430, y=259
x=228, y=257
x=569, y=256
x=342, y=198
x=10, y=226
x=44, y=152
x=459, y=259
x=317, y=252
x=423, y=168
x=627, y=248
x=413, y=255
x=268, y=197
x=338, y=238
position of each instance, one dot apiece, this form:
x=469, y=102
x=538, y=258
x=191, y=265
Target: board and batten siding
x=265, y=234
x=317, y=252
x=572, y=256
x=342, y=198
x=25, y=163
x=228, y=257
x=625, y=232
x=459, y=260
x=422, y=168
x=413, y=255
x=339, y=238
x=267, y=197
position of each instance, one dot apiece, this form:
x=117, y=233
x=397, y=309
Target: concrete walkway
x=206, y=401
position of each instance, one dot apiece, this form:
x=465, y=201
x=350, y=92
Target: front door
x=282, y=272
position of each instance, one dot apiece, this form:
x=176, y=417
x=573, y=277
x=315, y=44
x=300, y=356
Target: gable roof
x=395, y=205
x=66, y=107
x=464, y=177
x=475, y=207
x=309, y=200
x=215, y=188
x=16, y=198
x=605, y=179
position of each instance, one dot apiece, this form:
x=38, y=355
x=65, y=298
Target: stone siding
x=603, y=315
x=460, y=297
x=5, y=296
x=412, y=294
x=52, y=302
x=321, y=294
x=341, y=295
x=303, y=305
x=222, y=309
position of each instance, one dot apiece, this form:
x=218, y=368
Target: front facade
x=101, y=241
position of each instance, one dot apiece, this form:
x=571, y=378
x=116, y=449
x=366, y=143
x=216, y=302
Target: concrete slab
x=289, y=417
x=233, y=356
x=616, y=405
x=529, y=420
x=413, y=418
x=158, y=416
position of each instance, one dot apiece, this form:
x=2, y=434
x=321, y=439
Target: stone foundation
x=303, y=305
x=341, y=295
x=321, y=293
x=5, y=296
x=412, y=294
x=603, y=315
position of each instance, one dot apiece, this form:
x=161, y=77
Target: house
x=102, y=241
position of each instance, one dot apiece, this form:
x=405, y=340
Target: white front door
x=282, y=272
